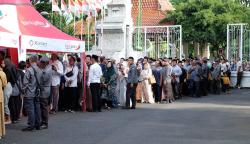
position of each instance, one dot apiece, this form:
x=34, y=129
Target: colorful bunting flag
x=55, y=7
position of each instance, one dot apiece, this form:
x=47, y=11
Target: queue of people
x=36, y=88
x=42, y=86
x=164, y=80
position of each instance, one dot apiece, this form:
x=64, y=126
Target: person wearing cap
x=31, y=102
x=57, y=72
x=46, y=81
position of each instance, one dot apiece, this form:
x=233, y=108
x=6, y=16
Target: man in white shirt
x=95, y=74
x=239, y=73
x=57, y=68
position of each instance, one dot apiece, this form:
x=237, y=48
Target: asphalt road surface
x=214, y=119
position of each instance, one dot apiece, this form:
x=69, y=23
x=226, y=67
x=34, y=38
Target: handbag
x=226, y=80
x=152, y=80
x=70, y=73
x=38, y=87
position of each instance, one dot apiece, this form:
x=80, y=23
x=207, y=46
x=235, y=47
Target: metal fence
x=158, y=41
x=238, y=42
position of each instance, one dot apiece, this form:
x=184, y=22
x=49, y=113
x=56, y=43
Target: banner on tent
x=9, y=40
x=48, y=44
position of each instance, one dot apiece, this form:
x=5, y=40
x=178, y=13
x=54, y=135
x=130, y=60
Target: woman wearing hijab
x=109, y=86
x=167, y=91
x=147, y=93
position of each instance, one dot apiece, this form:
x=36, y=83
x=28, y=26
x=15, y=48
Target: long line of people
x=164, y=80
x=36, y=88
x=42, y=86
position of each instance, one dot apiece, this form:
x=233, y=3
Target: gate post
x=228, y=41
x=168, y=50
x=241, y=42
x=181, y=47
x=145, y=41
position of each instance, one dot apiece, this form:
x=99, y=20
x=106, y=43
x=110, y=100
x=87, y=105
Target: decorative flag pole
x=102, y=13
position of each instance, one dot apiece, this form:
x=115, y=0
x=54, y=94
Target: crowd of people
x=127, y=82
x=37, y=88
x=42, y=85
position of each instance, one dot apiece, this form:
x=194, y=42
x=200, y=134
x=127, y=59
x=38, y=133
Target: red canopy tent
x=36, y=33
x=8, y=39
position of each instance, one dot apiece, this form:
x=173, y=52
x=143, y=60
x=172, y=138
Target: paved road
x=213, y=119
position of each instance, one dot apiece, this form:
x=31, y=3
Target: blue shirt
x=132, y=75
x=157, y=74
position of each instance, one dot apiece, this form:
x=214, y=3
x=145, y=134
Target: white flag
x=55, y=7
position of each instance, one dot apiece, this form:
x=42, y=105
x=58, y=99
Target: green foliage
x=205, y=21
x=59, y=21
x=41, y=7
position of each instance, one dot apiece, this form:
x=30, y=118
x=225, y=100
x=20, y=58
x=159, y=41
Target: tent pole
x=95, y=31
x=88, y=33
x=81, y=27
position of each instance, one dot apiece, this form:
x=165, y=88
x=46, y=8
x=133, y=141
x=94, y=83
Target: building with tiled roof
x=153, y=11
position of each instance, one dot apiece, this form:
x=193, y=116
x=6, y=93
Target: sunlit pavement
x=214, y=119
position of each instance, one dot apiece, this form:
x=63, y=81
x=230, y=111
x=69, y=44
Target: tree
x=205, y=21
x=58, y=20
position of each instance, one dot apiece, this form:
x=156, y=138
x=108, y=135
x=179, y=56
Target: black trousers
x=157, y=92
x=216, y=86
x=71, y=98
x=176, y=89
x=197, y=88
x=44, y=103
x=131, y=94
x=239, y=78
x=204, y=87
x=15, y=105
x=96, y=96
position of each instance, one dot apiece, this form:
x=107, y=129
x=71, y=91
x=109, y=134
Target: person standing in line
x=70, y=76
x=216, y=76
x=239, y=68
x=94, y=81
x=176, y=73
x=31, y=89
x=140, y=79
x=88, y=91
x=132, y=82
x=3, y=83
x=15, y=102
x=11, y=73
x=167, y=91
x=183, y=76
x=147, y=93
x=204, y=81
x=46, y=80
x=57, y=68
x=190, y=79
x=121, y=85
x=157, y=74
x=197, y=79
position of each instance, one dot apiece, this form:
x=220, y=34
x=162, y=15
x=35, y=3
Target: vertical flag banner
x=72, y=6
x=55, y=7
x=78, y=8
x=85, y=7
x=63, y=6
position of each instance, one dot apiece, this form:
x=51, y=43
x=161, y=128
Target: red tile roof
x=153, y=11
x=152, y=14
